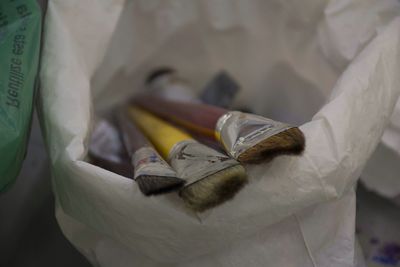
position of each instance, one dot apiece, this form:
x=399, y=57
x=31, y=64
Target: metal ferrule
x=148, y=162
x=194, y=161
x=238, y=131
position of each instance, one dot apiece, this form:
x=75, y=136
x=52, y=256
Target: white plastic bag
x=296, y=211
x=382, y=172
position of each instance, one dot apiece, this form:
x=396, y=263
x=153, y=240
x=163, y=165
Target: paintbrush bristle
x=155, y=185
x=214, y=189
x=288, y=142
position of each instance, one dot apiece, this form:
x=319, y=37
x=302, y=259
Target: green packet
x=20, y=32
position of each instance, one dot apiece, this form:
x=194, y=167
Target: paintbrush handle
x=163, y=135
x=198, y=117
x=132, y=137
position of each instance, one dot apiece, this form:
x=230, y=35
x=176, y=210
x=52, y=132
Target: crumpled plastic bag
x=382, y=172
x=296, y=211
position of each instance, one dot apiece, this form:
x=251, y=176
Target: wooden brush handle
x=132, y=137
x=197, y=117
x=163, y=135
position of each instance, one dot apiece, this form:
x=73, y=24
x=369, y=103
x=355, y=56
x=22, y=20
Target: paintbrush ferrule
x=147, y=162
x=194, y=161
x=238, y=131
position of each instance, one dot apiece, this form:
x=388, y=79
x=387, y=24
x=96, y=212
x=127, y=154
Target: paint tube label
x=239, y=131
x=194, y=161
x=148, y=162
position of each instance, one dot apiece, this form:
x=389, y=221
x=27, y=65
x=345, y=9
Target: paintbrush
x=211, y=177
x=246, y=137
x=153, y=175
x=106, y=149
x=220, y=91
